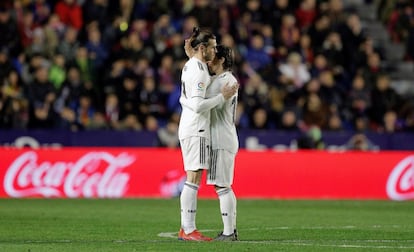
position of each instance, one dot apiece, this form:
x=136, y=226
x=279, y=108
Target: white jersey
x=194, y=81
x=222, y=128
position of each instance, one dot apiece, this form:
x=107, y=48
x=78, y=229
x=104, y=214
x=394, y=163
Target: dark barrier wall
x=249, y=139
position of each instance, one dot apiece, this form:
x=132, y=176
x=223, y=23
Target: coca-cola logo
x=400, y=184
x=95, y=174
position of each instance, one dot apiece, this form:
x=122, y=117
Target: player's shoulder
x=227, y=77
x=195, y=64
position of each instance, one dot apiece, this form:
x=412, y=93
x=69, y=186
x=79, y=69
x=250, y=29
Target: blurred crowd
x=116, y=64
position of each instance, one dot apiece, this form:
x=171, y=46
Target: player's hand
x=229, y=90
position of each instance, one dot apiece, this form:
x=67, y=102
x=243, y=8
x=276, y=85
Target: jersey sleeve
x=201, y=81
x=198, y=104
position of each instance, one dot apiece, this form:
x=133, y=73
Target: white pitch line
x=174, y=234
x=344, y=245
x=303, y=243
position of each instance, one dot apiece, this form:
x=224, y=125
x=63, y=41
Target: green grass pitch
x=31, y=225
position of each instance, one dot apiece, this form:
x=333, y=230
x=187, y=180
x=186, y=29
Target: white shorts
x=221, y=170
x=196, y=153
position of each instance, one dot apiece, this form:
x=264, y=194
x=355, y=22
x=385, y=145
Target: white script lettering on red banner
x=400, y=184
x=95, y=174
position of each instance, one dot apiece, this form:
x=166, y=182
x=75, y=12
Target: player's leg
x=228, y=203
x=195, y=156
x=188, y=201
x=235, y=217
x=221, y=174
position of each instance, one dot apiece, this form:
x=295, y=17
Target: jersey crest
x=201, y=86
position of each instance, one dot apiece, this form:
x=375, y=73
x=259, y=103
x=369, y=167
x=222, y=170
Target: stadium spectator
x=409, y=43
x=41, y=96
x=26, y=26
x=306, y=14
x=54, y=31
x=85, y=110
x=361, y=124
x=98, y=122
x=66, y=120
x=311, y=139
x=130, y=122
x=383, y=99
x=358, y=99
x=333, y=50
x=151, y=100
x=97, y=52
x=70, y=13
x=331, y=91
x=13, y=105
x=295, y=73
x=319, y=30
x=360, y=142
x=112, y=109
x=96, y=11
x=255, y=94
x=259, y=119
x=128, y=94
x=165, y=75
x=168, y=136
x=289, y=33
x=390, y=122
x=106, y=39
x=256, y=54
x=69, y=44
x=334, y=123
x=8, y=31
x=288, y=121
x=314, y=112
x=6, y=65
x=151, y=123
x=203, y=11
x=409, y=120
x=351, y=31
x=372, y=70
x=57, y=71
x=275, y=11
x=305, y=50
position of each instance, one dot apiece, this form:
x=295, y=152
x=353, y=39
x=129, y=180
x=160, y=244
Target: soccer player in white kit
x=194, y=126
x=224, y=141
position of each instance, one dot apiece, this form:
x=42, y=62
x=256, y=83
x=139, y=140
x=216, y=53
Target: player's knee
x=194, y=176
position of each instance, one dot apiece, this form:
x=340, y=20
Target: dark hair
x=226, y=53
x=200, y=36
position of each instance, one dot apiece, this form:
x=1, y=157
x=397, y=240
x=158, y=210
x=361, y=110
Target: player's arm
x=199, y=104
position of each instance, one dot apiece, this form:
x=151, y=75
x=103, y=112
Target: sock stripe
x=191, y=185
x=224, y=191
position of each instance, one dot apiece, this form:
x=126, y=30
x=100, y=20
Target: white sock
x=234, y=199
x=188, y=201
x=227, y=209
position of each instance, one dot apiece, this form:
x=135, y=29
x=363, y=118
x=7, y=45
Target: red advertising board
x=151, y=172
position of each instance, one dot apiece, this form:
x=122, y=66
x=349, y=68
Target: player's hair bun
x=196, y=31
x=200, y=36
